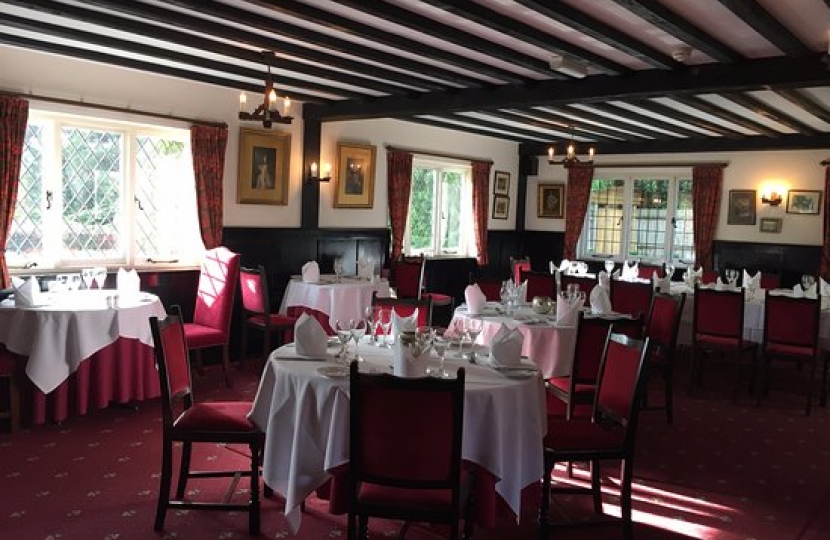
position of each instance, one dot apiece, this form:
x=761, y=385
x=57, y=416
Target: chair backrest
x=646, y=271
x=491, y=287
x=408, y=276
x=217, y=287
x=792, y=324
x=405, y=307
x=253, y=286
x=590, y=340
x=663, y=323
x=631, y=297
x=586, y=284
x=516, y=268
x=620, y=382
x=770, y=281
x=718, y=313
x=538, y=284
x=172, y=364
x=709, y=276
x=405, y=432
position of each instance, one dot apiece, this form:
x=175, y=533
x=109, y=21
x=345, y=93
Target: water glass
x=807, y=281
x=440, y=342
x=338, y=268
x=670, y=268
x=344, y=334
x=357, y=328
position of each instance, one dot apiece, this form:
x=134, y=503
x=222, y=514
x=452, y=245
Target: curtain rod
x=437, y=154
x=661, y=164
x=113, y=108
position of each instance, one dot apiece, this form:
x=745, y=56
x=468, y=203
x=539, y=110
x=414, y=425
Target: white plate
x=517, y=372
x=333, y=372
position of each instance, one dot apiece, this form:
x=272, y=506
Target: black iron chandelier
x=267, y=112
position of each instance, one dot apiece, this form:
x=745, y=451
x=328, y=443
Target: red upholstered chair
x=256, y=310
x=579, y=387
x=662, y=326
x=585, y=283
x=10, y=369
x=631, y=297
x=718, y=328
x=609, y=435
x=408, y=279
x=538, y=284
x=405, y=451
x=770, y=281
x=646, y=271
x=491, y=287
x=709, y=277
x=211, y=326
x=517, y=266
x=791, y=338
x=405, y=307
x=187, y=421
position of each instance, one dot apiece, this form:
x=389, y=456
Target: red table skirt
x=121, y=372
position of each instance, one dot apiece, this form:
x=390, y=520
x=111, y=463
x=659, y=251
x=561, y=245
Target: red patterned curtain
x=825, y=250
x=576, y=204
x=481, y=206
x=706, y=188
x=208, y=147
x=14, y=113
x=399, y=184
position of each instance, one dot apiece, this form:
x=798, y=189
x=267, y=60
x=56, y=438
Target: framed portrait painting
x=550, y=201
x=800, y=201
x=501, y=206
x=264, y=163
x=741, y=207
x=501, y=184
x=354, y=186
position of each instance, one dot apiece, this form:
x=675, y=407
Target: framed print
x=354, y=185
x=801, y=201
x=741, y=207
x=501, y=184
x=770, y=225
x=501, y=206
x=264, y=162
x=550, y=201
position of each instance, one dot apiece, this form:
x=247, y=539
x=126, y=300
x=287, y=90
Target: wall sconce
x=773, y=199
x=314, y=177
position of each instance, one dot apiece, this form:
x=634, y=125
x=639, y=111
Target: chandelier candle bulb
x=551, y=150
x=243, y=102
x=286, y=106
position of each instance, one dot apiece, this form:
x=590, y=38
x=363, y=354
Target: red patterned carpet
x=723, y=472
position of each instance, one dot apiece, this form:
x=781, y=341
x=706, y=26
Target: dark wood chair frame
x=662, y=356
x=263, y=321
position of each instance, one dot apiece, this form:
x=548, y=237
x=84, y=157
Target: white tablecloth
x=340, y=301
x=71, y=326
x=305, y=417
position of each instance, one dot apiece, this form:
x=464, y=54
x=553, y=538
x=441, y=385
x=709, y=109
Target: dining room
x=700, y=151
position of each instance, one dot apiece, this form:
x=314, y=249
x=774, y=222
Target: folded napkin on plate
x=600, y=302
x=506, y=347
x=475, y=299
x=604, y=280
x=311, y=272
x=567, y=311
x=26, y=293
x=365, y=268
x=747, y=280
x=630, y=272
x=409, y=360
x=127, y=281
x=309, y=337
x=661, y=284
x=404, y=324
x=799, y=292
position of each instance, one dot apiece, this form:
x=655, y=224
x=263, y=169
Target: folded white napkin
x=506, y=347
x=127, y=281
x=26, y=293
x=309, y=336
x=552, y=267
x=799, y=292
x=311, y=272
x=630, y=272
x=475, y=299
x=616, y=274
x=567, y=312
x=409, y=361
x=600, y=302
x=365, y=268
x=661, y=284
x=564, y=265
x=604, y=281
x=404, y=324
x=720, y=285
x=692, y=273
x=748, y=280
x=824, y=287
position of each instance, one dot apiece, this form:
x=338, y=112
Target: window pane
x=92, y=173
x=683, y=244
x=421, y=204
x=26, y=239
x=647, y=228
x=603, y=234
x=451, y=211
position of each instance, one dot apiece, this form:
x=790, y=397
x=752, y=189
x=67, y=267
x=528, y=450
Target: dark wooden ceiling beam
x=437, y=122
x=666, y=20
x=484, y=123
x=728, y=116
x=766, y=73
x=586, y=129
x=762, y=109
x=329, y=41
x=577, y=20
x=555, y=129
x=206, y=27
x=437, y=29
x=631, y=120
x=768, y=26
x=799, y=99
x=523, y=32
x=668, y=111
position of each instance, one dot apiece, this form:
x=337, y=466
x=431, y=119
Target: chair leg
x=253, y=511
x=544, y=503
x=626, y=472
x=596, y=485
x=244, y=346
x=164, y=483
x=226, y=364
x=266, y=344
x=668, y=381
x=823, y=401
x=351, y=527
x=184, y=470
x=363, y=527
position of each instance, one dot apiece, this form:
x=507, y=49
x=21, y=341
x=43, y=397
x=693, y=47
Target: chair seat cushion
x=581, y=434
x=438, y=299
x=227, y=416
x=276, y=320
x=563, y=384
x=790, y=350
x=198, y=336
x=717, y=342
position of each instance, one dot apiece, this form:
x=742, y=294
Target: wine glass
x=609, y=266
x=670, y=268
x=344, y=334
x=472, y=328
x=358, y=330
x=88, y=275
x=440, y=341
x=807, y=282
x=386, y=325
x=338, y=268
x=100, y=276
x=73, y=282
x=369, y=315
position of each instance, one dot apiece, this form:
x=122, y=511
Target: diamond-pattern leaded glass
x=26, y=239
x=604, y=218
x=683, y=246
x=647, y=231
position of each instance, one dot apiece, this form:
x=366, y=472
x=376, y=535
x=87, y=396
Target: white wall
x=784, y=170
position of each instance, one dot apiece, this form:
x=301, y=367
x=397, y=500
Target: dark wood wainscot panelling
x=788, y=260
x=541, y=246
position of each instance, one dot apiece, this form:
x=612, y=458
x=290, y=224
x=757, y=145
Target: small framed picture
x=501, y=206
x=741, y=207
x=550, y=201
x=501, y=185
x=770, y=225
x=354, y=186
x=801, y=201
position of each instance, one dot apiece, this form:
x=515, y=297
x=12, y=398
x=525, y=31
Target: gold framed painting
x=354, y=186
x=264, y=165
x=550, y=201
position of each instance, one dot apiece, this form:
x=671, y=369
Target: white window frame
x=629, y=176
